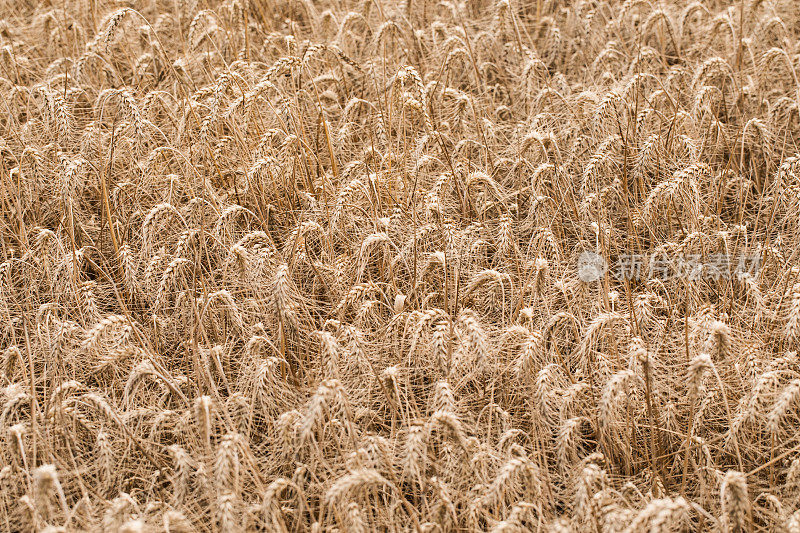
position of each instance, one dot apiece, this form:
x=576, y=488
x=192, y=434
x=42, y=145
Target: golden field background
x=303, y=265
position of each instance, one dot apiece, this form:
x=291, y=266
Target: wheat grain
x=311, y=266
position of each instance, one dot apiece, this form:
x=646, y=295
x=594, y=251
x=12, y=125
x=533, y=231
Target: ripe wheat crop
x=353, y=265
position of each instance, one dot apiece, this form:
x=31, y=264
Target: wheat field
x=354, y=265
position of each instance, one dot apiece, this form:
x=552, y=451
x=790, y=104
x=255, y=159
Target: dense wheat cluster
x=304, y=265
